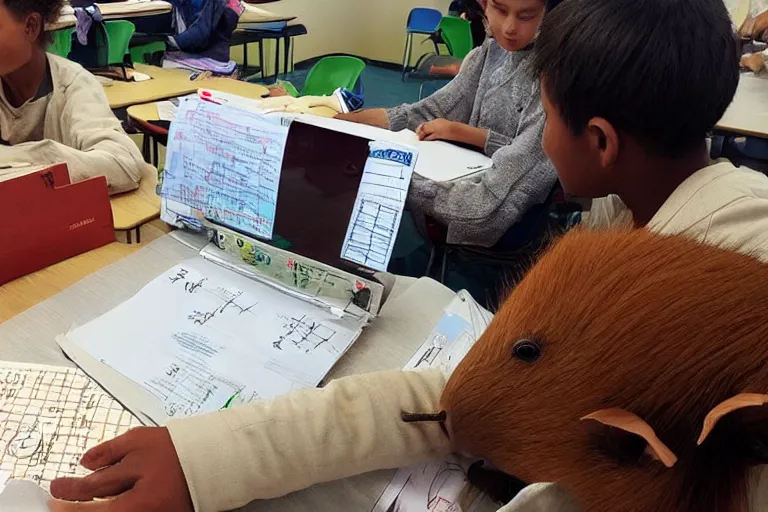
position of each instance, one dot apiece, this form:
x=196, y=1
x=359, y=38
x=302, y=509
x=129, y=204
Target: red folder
x=45, y=218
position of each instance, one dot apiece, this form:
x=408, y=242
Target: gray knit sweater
x=495, y=91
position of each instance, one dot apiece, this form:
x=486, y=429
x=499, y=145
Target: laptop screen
x=319, y=181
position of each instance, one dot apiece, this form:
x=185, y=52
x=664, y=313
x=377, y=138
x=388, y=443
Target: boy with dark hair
x=52, y=110
x=637, y=115
x=631, y=88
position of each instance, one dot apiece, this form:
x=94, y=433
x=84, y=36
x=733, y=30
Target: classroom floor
x=382, y=87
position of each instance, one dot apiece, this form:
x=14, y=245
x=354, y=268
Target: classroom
x=403, y=256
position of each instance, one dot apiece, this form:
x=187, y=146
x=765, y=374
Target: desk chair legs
x=407, y=54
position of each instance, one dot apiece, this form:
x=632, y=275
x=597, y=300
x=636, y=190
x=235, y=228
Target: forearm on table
x=373, y=117
x=471, y=135
x=269, y=449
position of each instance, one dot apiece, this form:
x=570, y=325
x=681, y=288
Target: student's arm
x=453, y=102
x=372, y=116
x=94, y=143
x=479, y=211
x=442, y=129
x=269, y=449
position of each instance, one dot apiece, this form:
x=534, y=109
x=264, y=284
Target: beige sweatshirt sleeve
x=269, y=449
x=91, y=140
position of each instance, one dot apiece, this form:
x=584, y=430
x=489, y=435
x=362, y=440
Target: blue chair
x=420, y=21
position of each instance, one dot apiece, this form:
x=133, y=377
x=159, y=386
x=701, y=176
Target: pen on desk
x=230, y=401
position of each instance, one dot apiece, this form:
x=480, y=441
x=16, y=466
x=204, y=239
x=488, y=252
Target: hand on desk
x=442, y=129
x=140, y=469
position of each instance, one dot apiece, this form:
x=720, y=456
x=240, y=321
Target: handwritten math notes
x=50, y=417
x=379, y=206
x=200, y=334
x=225, y=162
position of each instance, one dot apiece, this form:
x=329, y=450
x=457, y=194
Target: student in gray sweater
x=493, y=104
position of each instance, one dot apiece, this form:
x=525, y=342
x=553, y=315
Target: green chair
x=61, y=42
x=330, y=73
x=457, y=35
x=119, y=34
x=139, y=53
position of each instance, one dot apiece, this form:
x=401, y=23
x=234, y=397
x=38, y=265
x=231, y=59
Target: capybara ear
x=628, y=436
x=743, y=420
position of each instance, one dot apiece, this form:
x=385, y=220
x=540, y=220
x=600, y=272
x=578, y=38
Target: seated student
x=678, y=62
x=52, y=110
x=493, y=105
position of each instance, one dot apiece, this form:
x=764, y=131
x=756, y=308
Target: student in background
x=51, y=109
x=650, y=152
x=492, y=105
x=472, y=11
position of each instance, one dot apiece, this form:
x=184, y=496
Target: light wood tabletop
x=23, y=293
x=171, y=83
x=748, y=113
x=114, y=11
x=133, y=209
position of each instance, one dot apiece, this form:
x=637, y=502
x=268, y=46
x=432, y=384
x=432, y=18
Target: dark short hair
x=663, y=71
x=47, y=9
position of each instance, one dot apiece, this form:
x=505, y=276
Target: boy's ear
x=604, y=140
x=33, y=27
x=628, y=437
x=483, y=3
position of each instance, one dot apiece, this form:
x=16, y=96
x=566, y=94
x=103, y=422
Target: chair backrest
x=423, y=21
x=61, y=42
x=119, y=34
x=330, y=73
x=457, y=35
x=139, y=53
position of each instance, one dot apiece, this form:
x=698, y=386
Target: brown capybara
x=604, y=365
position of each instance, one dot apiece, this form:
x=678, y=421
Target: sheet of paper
x=226, y=163
x=438, y=160
x=200, y=334
x=439, y=486
x=50, y=417
x=23, y=496
x=379, y=205
x=166, y=110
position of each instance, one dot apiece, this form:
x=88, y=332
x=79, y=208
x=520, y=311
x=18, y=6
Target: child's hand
x=140, y=469
x=439, y=129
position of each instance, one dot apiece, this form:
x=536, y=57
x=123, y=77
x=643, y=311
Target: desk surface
x=748, y=114
x=171, y=83
x=148, y=112
x=136, y=208
x=412, y=310
x=23, y=293
x=115, y=11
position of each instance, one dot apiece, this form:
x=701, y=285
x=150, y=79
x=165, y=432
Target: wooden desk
x=114, y=11
x=132, y=210
x=748, y=114
x=25, y=292
x=172, y=83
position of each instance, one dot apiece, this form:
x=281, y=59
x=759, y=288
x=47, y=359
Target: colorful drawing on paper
x=225, y=162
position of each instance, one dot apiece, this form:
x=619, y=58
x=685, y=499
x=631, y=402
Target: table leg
x=128, y=236
x=245, y=56
x=138, y=235
x=261, y=60
x=156, y=153
x=145, y=148
x=287, y=45
x=277, y=58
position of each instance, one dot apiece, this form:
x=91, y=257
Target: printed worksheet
x=379, y=205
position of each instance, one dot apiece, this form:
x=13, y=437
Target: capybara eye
x=527, y=351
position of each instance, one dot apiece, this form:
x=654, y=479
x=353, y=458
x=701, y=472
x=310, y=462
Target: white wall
x=373, y=29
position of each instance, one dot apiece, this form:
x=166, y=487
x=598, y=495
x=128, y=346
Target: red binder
x=45, y=218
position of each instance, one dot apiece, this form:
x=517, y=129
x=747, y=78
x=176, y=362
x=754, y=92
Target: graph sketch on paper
x=440, y=486
x=379, y=205
x=207, y=334
x=226, y=163
x=50, y=416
